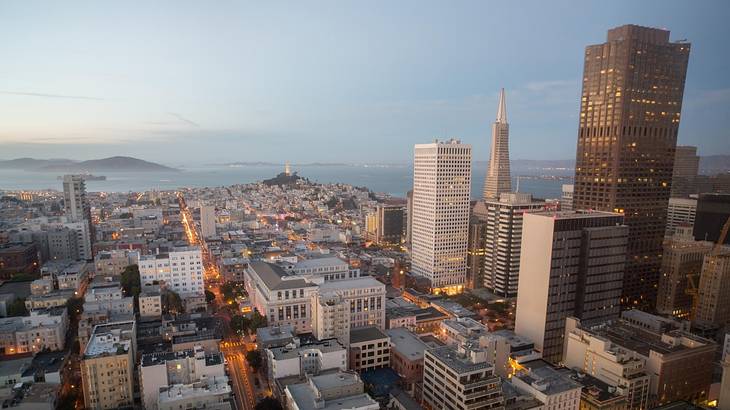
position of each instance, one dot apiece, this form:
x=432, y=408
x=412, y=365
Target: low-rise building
x=211, y=394
x=311, y=358
x=369, y=349
x=333, y=391
x=113, y=263
x=54, y=298
x=554, y=389
x=150, y=304
x=406, y=356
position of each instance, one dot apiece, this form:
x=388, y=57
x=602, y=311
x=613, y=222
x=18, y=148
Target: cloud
x=184, y=120
x=41, y=95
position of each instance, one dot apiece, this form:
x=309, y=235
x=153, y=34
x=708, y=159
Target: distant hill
x=111, y=164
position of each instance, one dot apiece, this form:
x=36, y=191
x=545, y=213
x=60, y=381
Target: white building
x=211, y=394
x=572, y=265
x=441, y=194
x=75, y=203
x=503, y=240
x=83, y=237
x=566, y=199
x=332, y=391
x=364, y=296
x=180, y=270
x=555, y=390
x=680, y=211
x=159, y=370
x=207, y=221
x=296, y=360
x=150, y=304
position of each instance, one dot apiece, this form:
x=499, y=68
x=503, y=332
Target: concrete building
x=54, y=298
x=284, y=298
x=310, y=358
x=441, y=194
x=207, y=221
x=681, y=262
x=331, y=318
x=369, y=349
x=180, y=270
x=476, y=246
x=457, y=378
x=107, y=366
x=713, y=303
x=633, y=119
x=113, y=263
x=332, y=391
x=686, y=167
x=680, y=212
x=75, y=202
x=609, y=362
x=678, y=363
x=503, y=239
x=18, y=258
x=498, y=179
x=150, y=304
x=554, y=389
x=214, y=394
x=43, y=329
x=163, y=369
x=566, y=197
x=572, y=265
x=365, y=297
x=62, y=244
x=84, y=237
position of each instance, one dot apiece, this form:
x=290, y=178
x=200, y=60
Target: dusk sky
x=342, y=81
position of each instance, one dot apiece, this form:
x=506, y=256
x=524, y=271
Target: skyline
x=172, y=89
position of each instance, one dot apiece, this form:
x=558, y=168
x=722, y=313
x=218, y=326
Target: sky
x=188, y=82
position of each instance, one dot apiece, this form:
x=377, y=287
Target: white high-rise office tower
x=572, y=264
x=441, y=188
x=498, y=178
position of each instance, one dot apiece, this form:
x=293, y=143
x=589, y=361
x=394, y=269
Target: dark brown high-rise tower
x=629, y=117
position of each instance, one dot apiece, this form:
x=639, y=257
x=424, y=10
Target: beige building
x=331, y=318
x=107, y=366
x=572, y=265
x=112, y=263
x=680, y=211
x=369, y=349
x=330, y=391
x=713, y=299
x=150, y=304
x=681, y=262
x=457, y=378
x=213, y=394
x=441, y=195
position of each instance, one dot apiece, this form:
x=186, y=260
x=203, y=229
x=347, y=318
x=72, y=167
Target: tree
x=257, y=321
x=171, y=302
x=239, y=324
x=268, y=403
x=209, y=296
x=130, y=281
x=254, y=359
x=17, y=308
x=75, y=306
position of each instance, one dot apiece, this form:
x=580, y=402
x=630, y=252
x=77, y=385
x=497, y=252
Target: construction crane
x=692, y=287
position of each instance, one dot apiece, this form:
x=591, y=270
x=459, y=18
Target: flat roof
x=14, y=366
x=272, y=276
x=361, y=282
x=364, y=334
x=407, y=343
x=325, y=346
x=456, y=361
x=542, y=372
x=110, y=339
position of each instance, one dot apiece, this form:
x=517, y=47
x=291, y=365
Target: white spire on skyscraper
x=498, y=178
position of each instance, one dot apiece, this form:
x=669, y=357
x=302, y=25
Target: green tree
x=171, y=302
x=17, y=308
x=75, y=306
x=268, y=403
x=254, y=359
x=239, y=324
x=257, y=321
x=130, y=281
x=227, y=291
x=209, y=296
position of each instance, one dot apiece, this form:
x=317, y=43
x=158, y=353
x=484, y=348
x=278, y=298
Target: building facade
x=441, y=190
x=180, y=270
x=633, y=85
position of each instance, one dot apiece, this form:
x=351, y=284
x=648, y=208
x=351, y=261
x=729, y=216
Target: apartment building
x=180, y=270
x=107, y=366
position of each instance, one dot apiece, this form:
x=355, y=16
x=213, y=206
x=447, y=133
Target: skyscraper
x=498, y=175
x=629, y=117
x=572, y=263
x=441, y=188
x=686, y=166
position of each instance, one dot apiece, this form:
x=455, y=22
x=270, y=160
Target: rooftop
x=407, y=343
x=110, y=339
x=274, y=276
x=355, y=283
x=542, y=376
x=458, y=362
x=364, y=334
x=217, y=386
x=291, y=351
x=306, y=398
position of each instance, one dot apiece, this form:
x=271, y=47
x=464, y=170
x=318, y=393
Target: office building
x=713, y=211
x=441, y=189
x=681, y=263
x=331, y=391
x=369, y=349
x=409, y=218
x=503, y=238
x=566, y=198
x=458, y=378
x=686, y=167
x=680, y=212
x=163, y=369
x=498, y=179
x=107, y=366
x=390, y=224
x=475, y=248
x=678, y=363
x=713, y=292
x=630, y=108
x=572, y=265
x=207, y=221
x=180, y=270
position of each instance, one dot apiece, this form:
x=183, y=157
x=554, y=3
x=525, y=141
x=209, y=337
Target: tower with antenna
x=498, y=178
